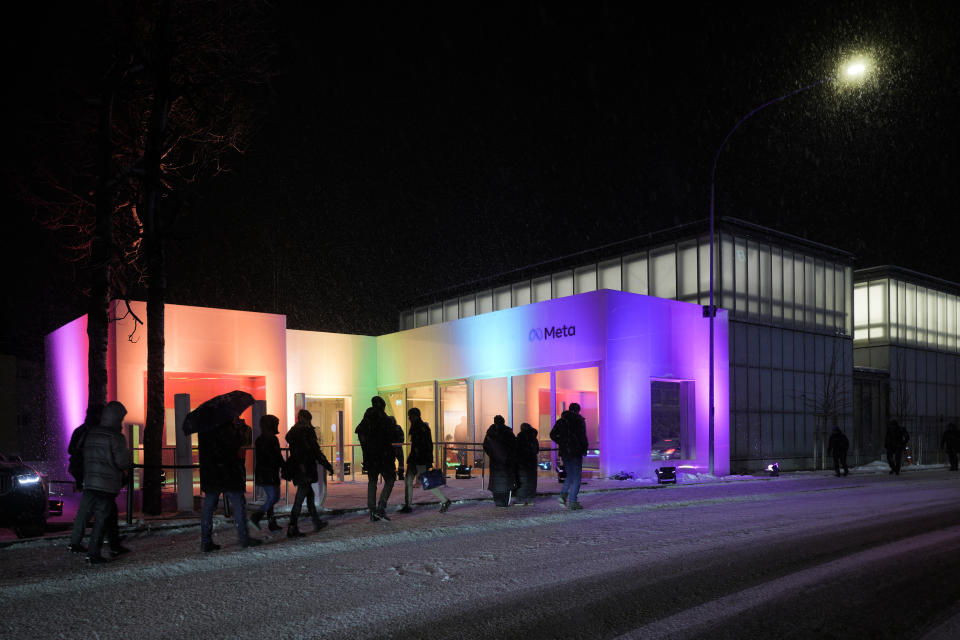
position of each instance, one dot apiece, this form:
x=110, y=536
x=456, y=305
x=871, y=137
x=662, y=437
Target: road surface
x=799, y=556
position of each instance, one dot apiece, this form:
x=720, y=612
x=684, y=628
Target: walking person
x=75, y=467
x=837, y=446
x=266, y=471
x=500, y=445
x=528, y=455
x=376, y=433
x=419, y=461
x=895, y=442
x=106, y=460
x=950, y=442
x=222, y=471
x=305, y=455
x=570, y=434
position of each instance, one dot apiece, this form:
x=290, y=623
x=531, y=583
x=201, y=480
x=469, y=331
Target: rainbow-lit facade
x=602, y=349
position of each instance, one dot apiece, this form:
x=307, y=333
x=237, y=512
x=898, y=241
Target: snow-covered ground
x=700, y=559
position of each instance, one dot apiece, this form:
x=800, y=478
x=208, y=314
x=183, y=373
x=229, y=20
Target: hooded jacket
x=500, y=445
x=528, y=447
x=106, y=457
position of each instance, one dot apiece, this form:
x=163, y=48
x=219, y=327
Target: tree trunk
x=156, y=278
x=98, y=309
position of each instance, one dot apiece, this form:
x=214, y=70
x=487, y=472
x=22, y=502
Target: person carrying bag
x=419, y=464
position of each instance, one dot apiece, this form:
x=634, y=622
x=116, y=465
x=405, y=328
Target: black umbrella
x=217, y=410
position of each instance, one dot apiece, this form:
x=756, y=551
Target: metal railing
x=347, y=465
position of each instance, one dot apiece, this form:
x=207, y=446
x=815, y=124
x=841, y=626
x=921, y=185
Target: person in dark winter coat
x=570, y=434
x=528, y=455
x=305, y=455
x=950, y=442
x=75, y=450
x=837, y=446
x=398, y=439
x=266, y=472
x=500, y=445
x=419, y=460
x=895, y=442
x=376, y=433
x=106, y=460
x=222, y=471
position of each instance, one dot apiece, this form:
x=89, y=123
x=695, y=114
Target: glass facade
x=908, y=330
x=756, y=281
x=895, y=311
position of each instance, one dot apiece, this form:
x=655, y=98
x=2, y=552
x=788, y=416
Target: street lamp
x=852, y=70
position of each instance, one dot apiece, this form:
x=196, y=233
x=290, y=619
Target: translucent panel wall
x=782, y=382
x=899, y=312
x=755, y=281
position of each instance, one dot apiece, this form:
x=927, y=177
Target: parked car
x=24, y=501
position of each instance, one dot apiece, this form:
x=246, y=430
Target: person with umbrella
x=305, y=455
x=222, y=471
x=220, y=437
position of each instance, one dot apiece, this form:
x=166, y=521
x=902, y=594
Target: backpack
x=560, y=433
x=75, y=466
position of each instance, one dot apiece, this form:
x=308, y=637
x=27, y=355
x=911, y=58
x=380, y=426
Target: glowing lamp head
x=855, y=69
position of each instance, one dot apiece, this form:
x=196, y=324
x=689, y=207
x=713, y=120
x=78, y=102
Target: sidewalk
x=351, y=497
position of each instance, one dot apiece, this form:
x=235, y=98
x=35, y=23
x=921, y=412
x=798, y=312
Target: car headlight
x=28, y=478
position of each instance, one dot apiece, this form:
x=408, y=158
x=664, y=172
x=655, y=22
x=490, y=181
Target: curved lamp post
x=853, y=70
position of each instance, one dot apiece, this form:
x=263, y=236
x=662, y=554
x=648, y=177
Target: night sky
x=411, y=147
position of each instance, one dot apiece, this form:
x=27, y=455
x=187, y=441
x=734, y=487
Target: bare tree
x=178, y=98
x=207, y=63
x=832, y=401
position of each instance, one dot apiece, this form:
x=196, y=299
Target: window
x=671, y=420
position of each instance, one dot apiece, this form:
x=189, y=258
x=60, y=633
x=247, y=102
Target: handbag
x=432, y=479
x=286, y=469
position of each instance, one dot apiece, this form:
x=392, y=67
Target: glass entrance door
x=454, y=429
x=329, y=422
x=583, y=387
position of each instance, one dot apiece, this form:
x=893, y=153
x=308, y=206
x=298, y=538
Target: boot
x=272, y=525
x=256, y=518
x=294, y=532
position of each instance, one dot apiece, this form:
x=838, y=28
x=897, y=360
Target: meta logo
x=548, y=333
